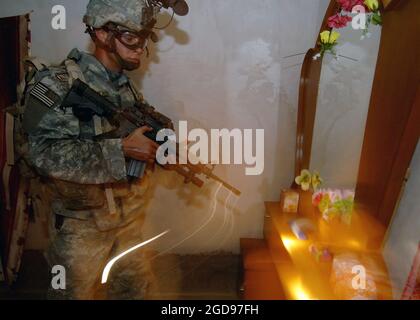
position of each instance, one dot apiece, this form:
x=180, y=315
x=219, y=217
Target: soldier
x=95, y=212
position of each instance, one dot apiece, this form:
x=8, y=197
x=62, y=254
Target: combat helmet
x=136, y=15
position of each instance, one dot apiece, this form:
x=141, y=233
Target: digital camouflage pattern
x=78, y=169
x=128, y=13
x=84, y=252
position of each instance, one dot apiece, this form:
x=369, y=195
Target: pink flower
x=335, y=195
x=348, y=5
x=338, y=21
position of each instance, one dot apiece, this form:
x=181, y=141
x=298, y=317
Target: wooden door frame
x=392, y=130
x=7, y=217
x=391, y=4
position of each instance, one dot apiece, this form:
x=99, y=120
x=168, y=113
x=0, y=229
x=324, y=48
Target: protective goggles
x=130, y=39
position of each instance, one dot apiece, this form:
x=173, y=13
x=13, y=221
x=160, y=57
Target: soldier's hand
x=138, y=147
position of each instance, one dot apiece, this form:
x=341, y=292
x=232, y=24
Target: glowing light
x=354, y=244
x=289, y=243
x=109, y=265
x=299, y=292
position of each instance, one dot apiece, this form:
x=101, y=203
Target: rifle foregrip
x=136, y=169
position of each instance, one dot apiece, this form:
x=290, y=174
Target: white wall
x=219, y=67
x=404, y=234
x=343, y=104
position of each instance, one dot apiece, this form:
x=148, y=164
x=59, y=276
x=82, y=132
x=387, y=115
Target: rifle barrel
x=225, y=184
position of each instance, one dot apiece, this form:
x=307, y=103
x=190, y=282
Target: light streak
x=203, y=226
x=212, y=215
x=109, y=265
x=225, y=217
x=231, y=216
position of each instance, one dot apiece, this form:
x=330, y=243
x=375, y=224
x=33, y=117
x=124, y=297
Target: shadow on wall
x=180, y=37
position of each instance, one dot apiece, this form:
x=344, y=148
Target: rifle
x=86, y=102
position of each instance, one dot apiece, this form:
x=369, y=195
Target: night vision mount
x=153, y=7
x=179, y=7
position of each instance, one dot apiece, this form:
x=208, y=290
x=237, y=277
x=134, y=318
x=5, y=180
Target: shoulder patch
x=45, y=95
x=62, y=76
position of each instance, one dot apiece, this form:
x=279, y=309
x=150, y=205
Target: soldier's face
x=131, y=57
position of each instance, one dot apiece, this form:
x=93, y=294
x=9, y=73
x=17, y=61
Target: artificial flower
x=334, y=37
x=338, y=21
x=325, y=37
x=348, y=5
x=334, y=194
x=372, y=5
x=331, y=213
x=317, y=197
x=344, y=206
x=377, y=18
x=334, y=203
x=324, y=204
x=328, y=42
x=316, y=180
x=304, y=180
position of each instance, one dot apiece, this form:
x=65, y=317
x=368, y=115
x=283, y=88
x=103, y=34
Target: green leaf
x=377, y=19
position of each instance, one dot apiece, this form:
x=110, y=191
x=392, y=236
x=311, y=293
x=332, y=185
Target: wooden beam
x=308, y=97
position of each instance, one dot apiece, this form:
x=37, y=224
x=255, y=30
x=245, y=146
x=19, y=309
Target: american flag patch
x=44, y=94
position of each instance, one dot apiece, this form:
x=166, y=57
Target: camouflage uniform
x=78, y=169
